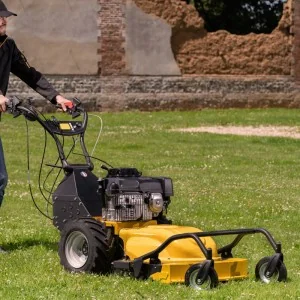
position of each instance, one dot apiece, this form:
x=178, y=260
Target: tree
x=240, y=16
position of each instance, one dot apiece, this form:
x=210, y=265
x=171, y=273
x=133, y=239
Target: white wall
x=56, y=36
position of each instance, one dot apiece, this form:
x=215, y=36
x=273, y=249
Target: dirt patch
x=275, y=131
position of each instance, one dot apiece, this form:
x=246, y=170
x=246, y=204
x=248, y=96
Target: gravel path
x=276, y=131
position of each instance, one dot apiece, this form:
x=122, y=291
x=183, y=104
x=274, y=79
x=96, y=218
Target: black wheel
x=280, y=273
x=192, y=281
x=83, y=247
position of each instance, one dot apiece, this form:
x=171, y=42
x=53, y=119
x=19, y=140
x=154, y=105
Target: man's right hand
x=3, y=101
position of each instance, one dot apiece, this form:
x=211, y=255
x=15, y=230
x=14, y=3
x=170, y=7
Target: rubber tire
x=210, y=283
x=280, y=273
x=90, y=236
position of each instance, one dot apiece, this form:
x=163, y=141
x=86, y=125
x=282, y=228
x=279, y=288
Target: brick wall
x=296, y=41
x=199, y=52
x=114, y=90
x=111, y=37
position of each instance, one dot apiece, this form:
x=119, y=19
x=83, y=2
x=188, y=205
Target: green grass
x=220, y=182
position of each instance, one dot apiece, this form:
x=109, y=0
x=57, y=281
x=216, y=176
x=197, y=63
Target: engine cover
x=128, y=196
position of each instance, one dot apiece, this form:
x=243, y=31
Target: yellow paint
x=174, y=271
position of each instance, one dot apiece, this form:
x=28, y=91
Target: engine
x=128, y=196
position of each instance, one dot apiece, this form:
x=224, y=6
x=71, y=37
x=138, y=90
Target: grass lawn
x=220, y=182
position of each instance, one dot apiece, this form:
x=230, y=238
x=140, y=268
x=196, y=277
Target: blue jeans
x=3, y=174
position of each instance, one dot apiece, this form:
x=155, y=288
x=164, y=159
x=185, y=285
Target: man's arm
x=37, y=81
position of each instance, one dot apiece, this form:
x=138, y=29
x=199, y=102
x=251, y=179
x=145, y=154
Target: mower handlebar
x=15, y=107
x=55, y=127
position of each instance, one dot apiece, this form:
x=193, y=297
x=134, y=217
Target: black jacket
x=13, y=60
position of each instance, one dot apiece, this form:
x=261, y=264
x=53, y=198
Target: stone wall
x=111, y=37
x=152, y=93
x=149, y=69
x=177, y=93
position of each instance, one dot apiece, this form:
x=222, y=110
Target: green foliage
x=220, y=182
x=240, y=16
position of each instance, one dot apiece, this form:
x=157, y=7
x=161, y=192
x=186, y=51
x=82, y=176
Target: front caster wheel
x=280, y=273
x=192, y=281
x=83, y=247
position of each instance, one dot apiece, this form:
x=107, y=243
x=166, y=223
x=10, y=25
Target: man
x=12, y=60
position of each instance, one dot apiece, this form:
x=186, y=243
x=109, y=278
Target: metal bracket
x=204, y=270
x=272, y=264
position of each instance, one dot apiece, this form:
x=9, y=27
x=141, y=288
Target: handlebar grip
x=69, y=104
x=72, y=107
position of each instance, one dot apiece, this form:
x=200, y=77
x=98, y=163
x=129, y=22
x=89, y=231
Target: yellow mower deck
x=180, y=254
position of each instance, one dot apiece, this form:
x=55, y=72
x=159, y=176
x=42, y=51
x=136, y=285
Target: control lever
x=75, y=112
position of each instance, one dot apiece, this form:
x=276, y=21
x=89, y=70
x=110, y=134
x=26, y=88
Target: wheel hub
x=265, y=276
x=77, y=249
x=197, y=283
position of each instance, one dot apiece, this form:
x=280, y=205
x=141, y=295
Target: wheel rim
x=77, y=249
x=266, y=279
x=196, y=284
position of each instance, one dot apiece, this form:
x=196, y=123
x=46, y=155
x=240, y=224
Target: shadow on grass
x=28, y=243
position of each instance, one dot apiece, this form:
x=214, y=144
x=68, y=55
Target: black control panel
x=64, y=127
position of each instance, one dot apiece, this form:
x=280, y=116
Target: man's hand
x=63, y=102
x=3, y=101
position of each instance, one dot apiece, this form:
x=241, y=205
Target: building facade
x=156, y=54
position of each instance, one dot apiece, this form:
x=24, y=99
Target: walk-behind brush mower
x=118, y=223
